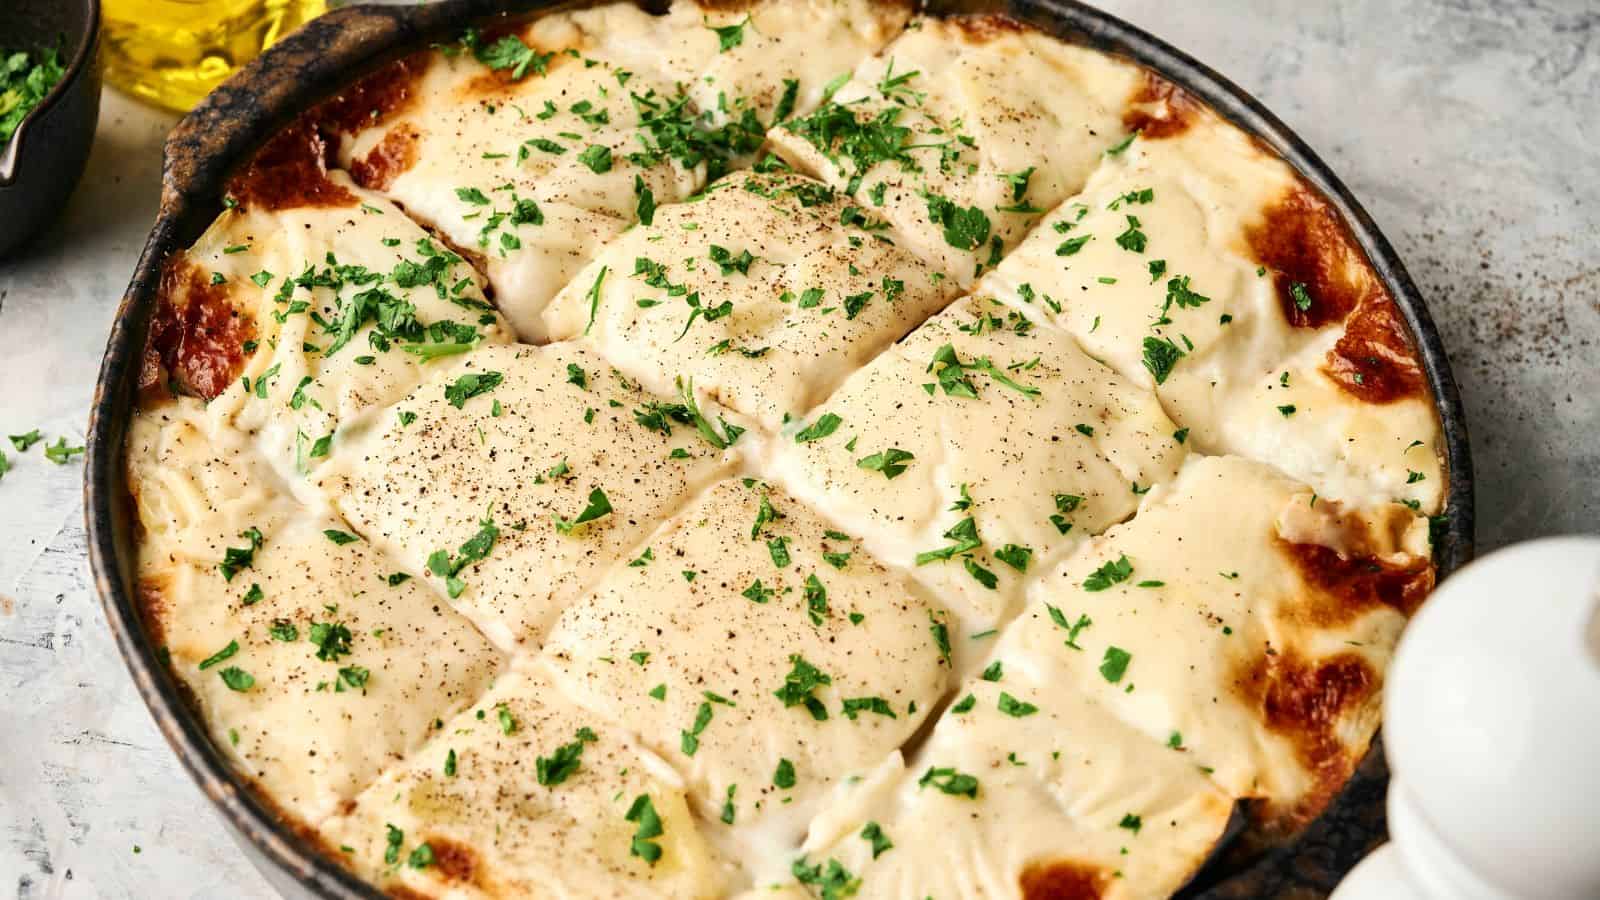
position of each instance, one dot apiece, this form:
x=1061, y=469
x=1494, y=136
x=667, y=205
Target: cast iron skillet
x=327, y=54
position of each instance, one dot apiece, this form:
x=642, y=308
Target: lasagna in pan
x=790, y=449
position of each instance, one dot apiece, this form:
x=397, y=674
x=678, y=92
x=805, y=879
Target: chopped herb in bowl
x=25, y=79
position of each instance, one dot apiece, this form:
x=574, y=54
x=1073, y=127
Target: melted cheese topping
x=532, y=197
x=824, y=662
x=528, y=794
x=775, y=295
x=1205, y=626
x=314, y=669
x=342, y=298
x=1066, y=447
x=1151, y=270
x=736, y=59
x=1025, y=790
x=816, y=578
x=959, y=154
x=524, y=456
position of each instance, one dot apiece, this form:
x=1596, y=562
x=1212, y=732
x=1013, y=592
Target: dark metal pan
x=329, y=53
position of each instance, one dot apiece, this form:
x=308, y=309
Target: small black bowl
x=45, y=158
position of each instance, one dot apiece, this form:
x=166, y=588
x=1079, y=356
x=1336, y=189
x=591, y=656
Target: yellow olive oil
x=173, y=52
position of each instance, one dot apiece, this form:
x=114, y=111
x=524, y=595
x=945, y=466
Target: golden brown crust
x=1374, y=360
x=983, y=27
x=376, y=98
x=290, y=172
x=1346, y=587
x=1161, y=109
x=1322, y=278
x=1303, y=701
x=1062, y=879
x=393, y=155
x=197, y=335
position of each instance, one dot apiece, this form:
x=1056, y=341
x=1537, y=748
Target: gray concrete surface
x=1467, y=127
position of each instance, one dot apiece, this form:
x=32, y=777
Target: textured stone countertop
x=1469, y=129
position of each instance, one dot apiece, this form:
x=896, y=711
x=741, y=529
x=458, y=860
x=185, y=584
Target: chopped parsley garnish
x=1133, y=240
x=826, y=424
x=332, y=640
x=1071, y=246
x=598, y=507
x=802, y=679
x=471, y=385
x=964, y=229
x=1060, y=619
x=1015, y=555
x=508, y=53
x=393, y=839
x=237, y=558
x=1015, y=708
x=1117, y=148
x=1065, y=504
x=646, y=209
x=783, y=776
x=853, y=706
x=873, y=834
x=339, y=537
x=890, y=462
x=1160, y=355
x=995, y=671
x=643, y=813
x=950, y=781
x=474, y=549
x=1114, y=572
x=816, y=596
x=220, y=655
x=756, y=593
x=508, y=725
x=728, y=263
x=237, y=679
x=1114, y=664
x=833, y=882
x=559, y=766
x=689, y=741
x=1131, y=822
x=25, y=80
x=965, y=705
x=597, y=157
x=941, y=637
x=729, y=36
x=1300, y=295
x=965, y=535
